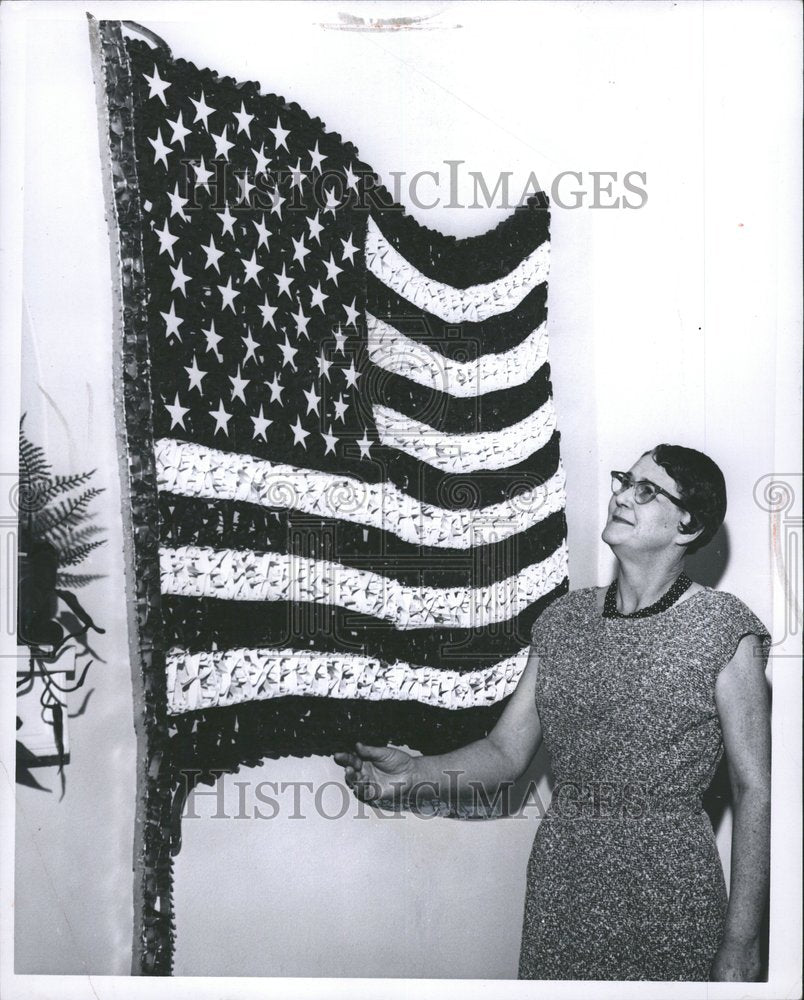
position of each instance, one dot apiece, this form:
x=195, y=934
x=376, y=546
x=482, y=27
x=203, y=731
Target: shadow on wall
x=709, y=564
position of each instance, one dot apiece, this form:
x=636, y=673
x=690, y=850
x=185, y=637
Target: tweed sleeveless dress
x=624, y=880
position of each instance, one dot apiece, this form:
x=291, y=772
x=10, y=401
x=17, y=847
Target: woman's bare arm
x=741, y=696
x=386, y=773
x=500, y=757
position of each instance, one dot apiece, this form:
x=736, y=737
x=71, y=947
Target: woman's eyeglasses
x=644, y=489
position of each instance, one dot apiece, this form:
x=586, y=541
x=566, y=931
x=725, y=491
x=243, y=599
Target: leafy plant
x=55, y=532
x=49, y=514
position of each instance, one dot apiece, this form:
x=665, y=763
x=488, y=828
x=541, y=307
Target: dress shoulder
x=729, y=620
x=563, y=608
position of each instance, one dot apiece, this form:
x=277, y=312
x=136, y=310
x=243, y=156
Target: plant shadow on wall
x=56, y=534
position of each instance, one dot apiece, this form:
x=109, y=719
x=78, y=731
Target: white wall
x=672, y=323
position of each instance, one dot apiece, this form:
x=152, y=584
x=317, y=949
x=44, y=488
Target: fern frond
x=49, y=514
x=79, y=536
x=63, y=484
x=70, y=580
x=33, y=463
x=67, y=513
x=70, y=556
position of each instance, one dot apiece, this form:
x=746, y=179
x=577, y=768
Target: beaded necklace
x=681, y=585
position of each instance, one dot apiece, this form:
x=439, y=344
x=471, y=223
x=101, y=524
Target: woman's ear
x=688, y=527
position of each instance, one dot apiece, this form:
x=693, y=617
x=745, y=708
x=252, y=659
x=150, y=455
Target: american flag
x=360, y=494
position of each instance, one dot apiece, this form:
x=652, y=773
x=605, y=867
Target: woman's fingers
x=359, y=774
x=359, y=780
x=348, y=760
x=372, y=753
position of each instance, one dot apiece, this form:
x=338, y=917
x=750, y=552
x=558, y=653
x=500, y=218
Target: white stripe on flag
x=244, y=575
x=450, y=304
x=216, y=678
x=394, y=352
x=466, y=452
x=193, y=470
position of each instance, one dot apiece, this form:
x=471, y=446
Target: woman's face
x=645, y=527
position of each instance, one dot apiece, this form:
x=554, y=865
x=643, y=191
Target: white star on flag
x=156, y=85
x=160, y=149
x=349, y=249
x=180, y=279
x=332, y=269
x=252, y=269
x=315, y=228
x=300, y=251
x=252, y=346
x=213, y=255
x=341, y=406
x=176, y=411
x=280, y=135
x=288, y=353
x=202, y=111
x=227, y=221
x=172, y=322
x=238, y=386
x=323, y=366
x=299, y=433
x=196, y=375
x=332, y=204
x=179, y=130
x=246, y=187
x=244, y=120
x=297, y=176
x=351, y=313
x=351, y=178
x=284, y=281
x=261, y=425
x=301, y=322
x=222, y=144
x=166, y=240
x=213, y=339
x=351, y=375
x=228, y=295
x=365, y=446
x=317, y=158
x=262, y=160
x=317, y=297
x=202, y=175
x=275, y=387
x=262, y=233
x=330, y=441
x=177, y=203
x=313, y=399
x=277, y=201
x=222, y=418
x=268, y=312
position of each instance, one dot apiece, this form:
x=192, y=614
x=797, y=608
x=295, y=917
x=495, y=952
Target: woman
x=636, y=690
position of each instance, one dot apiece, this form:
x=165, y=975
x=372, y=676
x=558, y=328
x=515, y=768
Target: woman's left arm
x=741, y=696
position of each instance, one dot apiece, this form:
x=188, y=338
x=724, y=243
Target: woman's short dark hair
x=701, y=488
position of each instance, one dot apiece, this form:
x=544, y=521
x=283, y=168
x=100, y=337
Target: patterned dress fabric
x=624, y=881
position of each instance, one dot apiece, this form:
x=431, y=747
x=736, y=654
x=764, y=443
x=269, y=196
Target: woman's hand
x=736, y=962
x=378, y=774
